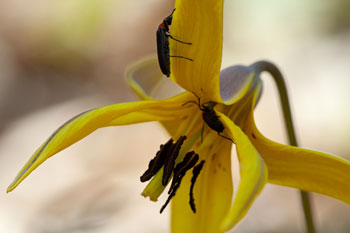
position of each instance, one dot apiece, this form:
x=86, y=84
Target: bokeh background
x=59, y=58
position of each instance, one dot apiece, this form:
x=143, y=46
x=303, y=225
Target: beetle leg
x=182, y=57
x=226, y=138
x=170, y=36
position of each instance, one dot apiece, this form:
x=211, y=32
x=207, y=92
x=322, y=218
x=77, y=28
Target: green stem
x=260, y=67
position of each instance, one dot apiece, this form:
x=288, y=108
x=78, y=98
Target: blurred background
x=59, y=58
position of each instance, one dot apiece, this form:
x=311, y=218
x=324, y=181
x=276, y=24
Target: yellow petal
x=85, y=123
x=213, y=191
x=198, y=22
x=304, y=169
x=253, y=174
x=300, y=168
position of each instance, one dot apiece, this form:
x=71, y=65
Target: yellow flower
x=232, y=94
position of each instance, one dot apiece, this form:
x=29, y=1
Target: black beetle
x=163, y=45
x=209, y=117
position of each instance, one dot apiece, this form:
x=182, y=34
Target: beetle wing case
x=163, y=51
x=213, y=121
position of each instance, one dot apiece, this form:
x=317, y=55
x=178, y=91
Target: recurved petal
x=213, y=190
x=198, y=22
x=253, y=174
x=85, y=123
x=235, y=82
x=304, y=169
x=146, y=80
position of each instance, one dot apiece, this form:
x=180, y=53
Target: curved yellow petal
x=304, y=169
x=300, y=168
x=146, y=80
x=253, y=173
x=198, y=22
x=85, y=123
x=212, y=193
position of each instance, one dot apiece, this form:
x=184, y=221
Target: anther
x=196, y=170
x=157, y=162
x=180, y=170
x=170, y=159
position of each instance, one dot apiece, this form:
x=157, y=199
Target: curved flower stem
x=260, y=67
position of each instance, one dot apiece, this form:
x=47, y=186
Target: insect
x=209, y=117
x=163, y=50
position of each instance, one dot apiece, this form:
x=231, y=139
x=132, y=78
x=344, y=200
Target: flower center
x=210, y=117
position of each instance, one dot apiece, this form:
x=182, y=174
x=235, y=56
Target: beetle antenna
x=191, y=101
x=199, y=99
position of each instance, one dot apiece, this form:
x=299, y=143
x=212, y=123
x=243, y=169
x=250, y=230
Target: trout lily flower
x=230, y=96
